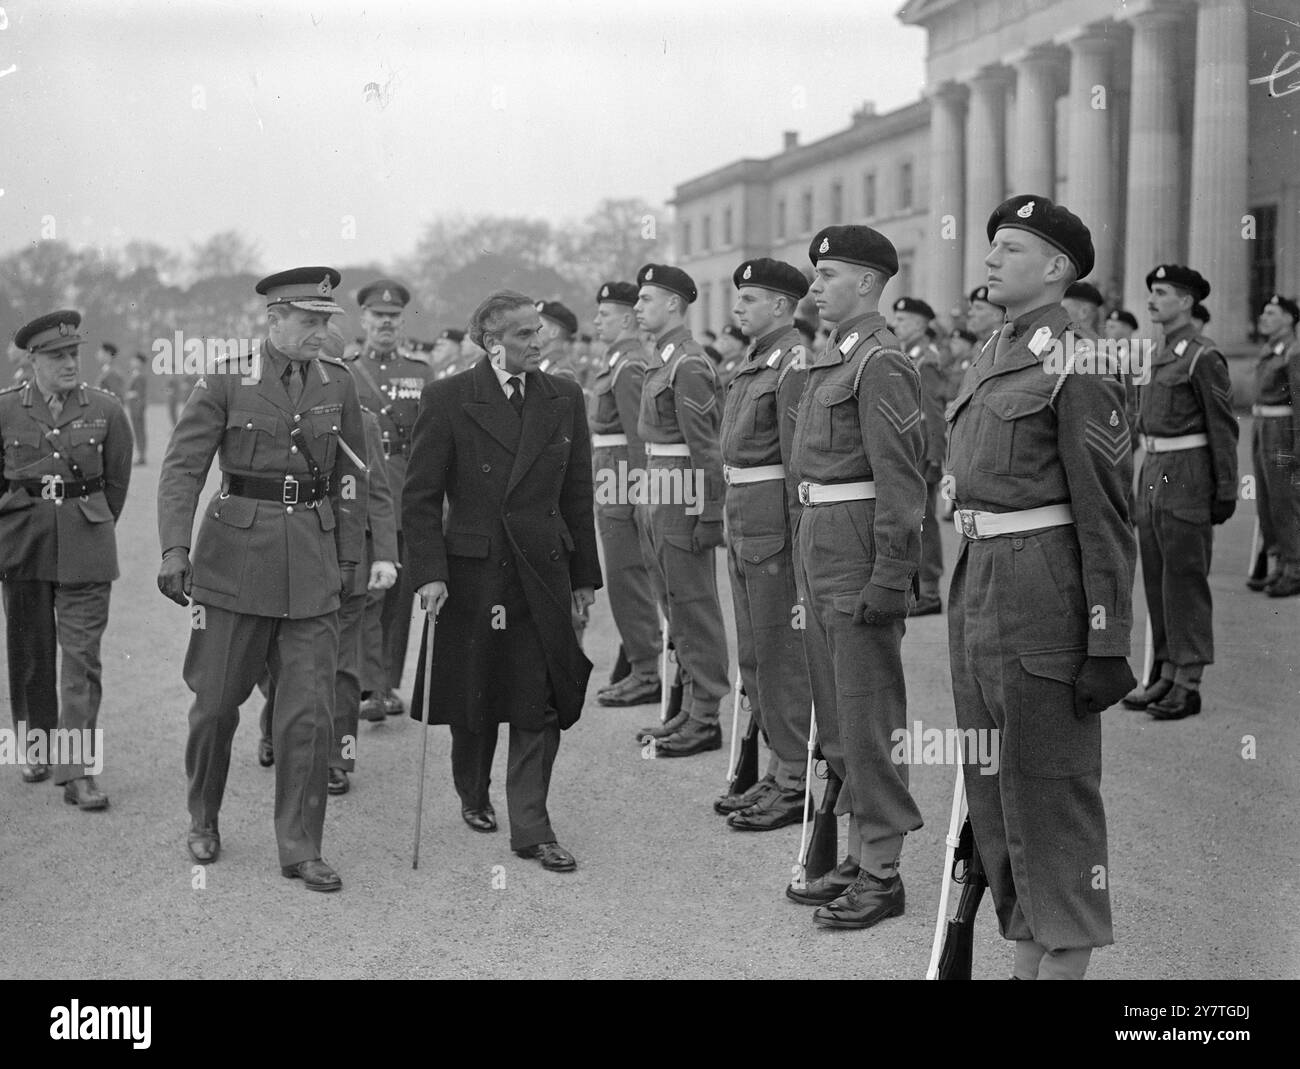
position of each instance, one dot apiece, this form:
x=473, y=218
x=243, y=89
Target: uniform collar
x=867, y=323
x=672, y=337
x=1021, y=324
x=763, y=344
x=1186, y=331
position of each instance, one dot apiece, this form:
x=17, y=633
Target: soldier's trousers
x=856, y=670
x=931, y=570
x=138, y=432
x=694, y=613
x=225, y=659
x=1176, y=541
x=42, y=618
x=770, y=646
x=1277, y=479
x=627, y=579
x=1017, y=634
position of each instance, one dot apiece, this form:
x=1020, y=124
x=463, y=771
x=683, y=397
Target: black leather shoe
x=1177, y=704
x=1262, y=582
x=661, y=731
x=35, y=773
x=1141, y=697
x=734, y=803
x=827, y=887
x=927, y=606
x=869, y=901
x=338, y=781
x=552, y=856
x=265, y=752
x=691, y=738
x=631, y=691
x=83, y=793
x=204, y=843
x=777, y=809
x=393, y=705
x=479, y=819
x=371, y=709
x=316, y=874
x=1284, y=586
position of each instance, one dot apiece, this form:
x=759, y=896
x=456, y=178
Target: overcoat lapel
x=490, y=409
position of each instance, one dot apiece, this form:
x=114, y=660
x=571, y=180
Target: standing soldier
x=1084, y=302
x=1121, y=325
x=1276, y=437
x=389, y=379
x=446, y=352
x=110, y=379
x=137, y=403
x=912, y=319
x=681, y=410
x=762, y=505
x=67, y=464
x=615, y=442
x=961, y=354
x=858, y=452
x=983, y=317
x=1187, y=484
x=559, y=325
x=1039, y=610
x=731, y=347
x=278, y=545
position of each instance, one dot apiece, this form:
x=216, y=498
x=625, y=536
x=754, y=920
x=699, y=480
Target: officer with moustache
x=277, y=549
x=1039, y=610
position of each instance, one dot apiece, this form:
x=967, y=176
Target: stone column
x=1034, y=168
x=986, y=185
x=1089, y=163
x=948, y=220
x=1216, y=246
x=1152, y=233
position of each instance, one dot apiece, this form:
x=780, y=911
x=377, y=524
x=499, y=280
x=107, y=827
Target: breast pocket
x=324, y=428
x=761, y=419
x=85, y=445
x=662, y=405
x=23, y=447
x=1013, y=431
x=836, y=428
x=250, y=441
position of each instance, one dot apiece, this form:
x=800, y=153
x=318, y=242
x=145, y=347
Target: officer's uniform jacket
x=381, y=524
x=681, y=401
x=267, y=558
x=758, y=425
x=925, y=358
x=44, y=537
x=615, y=405
x=1012, y=445
x=860, y=419
x=1277, y=382
x=1190, y=393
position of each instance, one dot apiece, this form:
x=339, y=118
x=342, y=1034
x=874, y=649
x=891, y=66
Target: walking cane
x=807, y=796
x=954, y=837
x=432, y=619
x=1149, y=656
x=1254, y=553
x=664, y=687
x=735, y=730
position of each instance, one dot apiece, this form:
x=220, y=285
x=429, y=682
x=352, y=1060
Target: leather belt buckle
x=968, y=526
x=290, y=485
x=805, y=494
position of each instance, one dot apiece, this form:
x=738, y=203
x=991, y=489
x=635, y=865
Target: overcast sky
x=168, y=121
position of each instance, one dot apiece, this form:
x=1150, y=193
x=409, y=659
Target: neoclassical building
x=1172, y=127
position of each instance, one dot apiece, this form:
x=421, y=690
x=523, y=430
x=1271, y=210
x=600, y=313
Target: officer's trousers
x=1277, y=479
x=227, y=654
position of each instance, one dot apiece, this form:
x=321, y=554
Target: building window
x=904, y=276
x=1263, y=265
x=726, y=228
x=837, y=203
x=706, y=306
x=869, y=194
x=805, y=214
x=905, y=186
x=706, y=234
x=686, y=238
x=780, y=219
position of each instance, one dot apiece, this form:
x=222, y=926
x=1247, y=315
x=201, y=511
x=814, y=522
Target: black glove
x=175, y=575
x=347, y=578
x=880, y=605
x=707, y=535
x=1101, y=682
x=1221, y=511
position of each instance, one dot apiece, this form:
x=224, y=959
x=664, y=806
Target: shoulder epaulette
x=862, y=367
x=333, y=360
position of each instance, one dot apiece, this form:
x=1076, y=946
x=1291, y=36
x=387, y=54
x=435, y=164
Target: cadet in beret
x=615, y=409
x=983, y=317
x=1274, y=445
x=730, y=348
x=912, y=319
x=559, y=326
x=807, y=332
x=389, y=378
x=762, y=507
x=1039, y=609
x=859, y=447
x=961, y=353
x=277, y=550
x=1187, y=485
x=681, y=412
x=1121, y=325
x=1084, y=303
x=67, y=465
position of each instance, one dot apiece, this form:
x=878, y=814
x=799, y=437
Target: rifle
x=953, y=961
x=823, y=845
x=742, y=770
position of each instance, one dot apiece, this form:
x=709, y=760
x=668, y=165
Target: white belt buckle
x=967, y=519
x=805, y=493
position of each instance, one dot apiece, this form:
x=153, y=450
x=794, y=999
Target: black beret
x=855, y=245
x=961, y=332
x=732, y=331
x=1199, y=311
x=769, y=274
x=109, y=348
x=384, y=295
x=617, y=293
x=1121, y=316
x=1286, y=304
x=1183, y=277
x=556, y=311
x=50, y=332
x=981, y=293
x=805, y=328
x=1085, y=291
x=309, y=288
x=452, y=334
x=913, y=304
x=673, y=279
x=1054, y=223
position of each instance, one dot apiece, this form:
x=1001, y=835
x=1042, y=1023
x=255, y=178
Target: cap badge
x=1114, y=418
x=324, y=288
x=65, y=329
x=749, y=272
x=1026, y=211
x=387, y=296
x=1160, y=271
x=649, y=274
x=825, y=246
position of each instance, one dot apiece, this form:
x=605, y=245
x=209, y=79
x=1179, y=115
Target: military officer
x=616, y=445
x=858, y=453
x=1084, y=303
x=110, y=379
x=681, y=411
x=389, y=378
x=1275, y=440
x=1188, y=483
x=1039, y=610
x=559, y=325
x=912, y=319
x=762, y=505
x=983, y=317
x=67, y=464
x=137, y=403
x=278, y=544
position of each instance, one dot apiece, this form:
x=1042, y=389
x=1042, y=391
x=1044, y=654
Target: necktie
x=1003, y=345
x=516, y=394
x=293, y=380
x=56, y=405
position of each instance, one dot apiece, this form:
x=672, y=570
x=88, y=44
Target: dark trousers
x=1277, y=484
x=42, y=617
x=931, y=570
x=395, y=624
x=528, y=775
x=226, y=657
x=138, y=432
x=627, y=581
